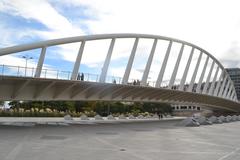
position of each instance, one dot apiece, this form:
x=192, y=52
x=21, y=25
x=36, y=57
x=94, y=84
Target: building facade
x=235, y=76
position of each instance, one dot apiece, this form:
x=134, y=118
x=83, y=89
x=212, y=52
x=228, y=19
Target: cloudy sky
x=211, y=24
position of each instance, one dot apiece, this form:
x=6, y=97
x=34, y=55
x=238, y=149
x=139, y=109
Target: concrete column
x=202, y=75
x=106, y=62
x=213, y=82
x=130, y=62
x=164, y=64
x=183, y=79
x=40, y=63
x=222, y=86
x=208, y=79
x=218, y=84
x=149, y=63
x=174, y=74
x=78, y=61
x=195, y=73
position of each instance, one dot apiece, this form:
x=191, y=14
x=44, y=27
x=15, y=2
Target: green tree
x=2, y=103
x=157, y=107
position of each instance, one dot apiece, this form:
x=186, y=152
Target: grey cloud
x=231, y=57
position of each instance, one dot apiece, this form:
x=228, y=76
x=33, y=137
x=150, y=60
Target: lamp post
x=26, y=59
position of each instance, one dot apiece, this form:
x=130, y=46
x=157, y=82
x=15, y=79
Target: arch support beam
x=195, y=73
x=175, y=70
x=218, y=84
x=226, y=89
x=106, y=62
x=229, y=92
x=205, y=88
x=183, y=79
x=213, y=82
x=40, y=63
x=130, y=62
x=220, y=94
x=164, y=64
x=232, y=95
x=77, y=62
x=202, y=75
x=149, y=63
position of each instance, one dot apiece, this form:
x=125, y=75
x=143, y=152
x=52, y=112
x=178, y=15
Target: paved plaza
x=139, y=140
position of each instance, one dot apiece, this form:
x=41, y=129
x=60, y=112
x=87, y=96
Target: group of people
x=136, y=82
x=80, y=77
x=160, y=116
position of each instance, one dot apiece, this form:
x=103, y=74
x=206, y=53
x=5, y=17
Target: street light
x=26, y=59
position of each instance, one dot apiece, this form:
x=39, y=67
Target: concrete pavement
x=142, y=140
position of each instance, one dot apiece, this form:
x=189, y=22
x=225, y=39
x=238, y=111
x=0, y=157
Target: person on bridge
x=78, y=76
x=82, y=77
x=138, y=82
x=159, y=115
x=134, y=82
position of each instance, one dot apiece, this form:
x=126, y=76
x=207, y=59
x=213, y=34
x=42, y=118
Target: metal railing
x=19, y=71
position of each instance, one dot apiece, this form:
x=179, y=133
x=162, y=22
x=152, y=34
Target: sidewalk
x=61, y=121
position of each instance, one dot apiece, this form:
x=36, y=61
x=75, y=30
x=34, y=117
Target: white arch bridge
x=208, y=85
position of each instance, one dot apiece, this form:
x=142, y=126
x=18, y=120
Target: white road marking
x=229, y=154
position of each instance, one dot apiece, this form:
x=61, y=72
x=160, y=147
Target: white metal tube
x=183, y=79
x=231, y=97
x=202, y=76
x=130, y=62
x=213, y=82
x=164, y=64
x=218, y=84
x=222, y=86
x=235, y=97
x=174, y=74
x=226, y=89
x=106, y=62
x=234, y=91
x=78, y=61
x=149, y=62
x=195, y=73
x=208, y=79
x=40, y=63
x=229, y=92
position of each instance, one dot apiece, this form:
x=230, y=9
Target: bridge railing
x=19, y=71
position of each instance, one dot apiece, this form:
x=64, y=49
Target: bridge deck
x=22, y=88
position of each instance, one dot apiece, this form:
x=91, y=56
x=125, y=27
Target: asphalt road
x=156, y=140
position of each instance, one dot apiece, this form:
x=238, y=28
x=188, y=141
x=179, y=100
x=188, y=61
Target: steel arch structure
x=218, y=86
